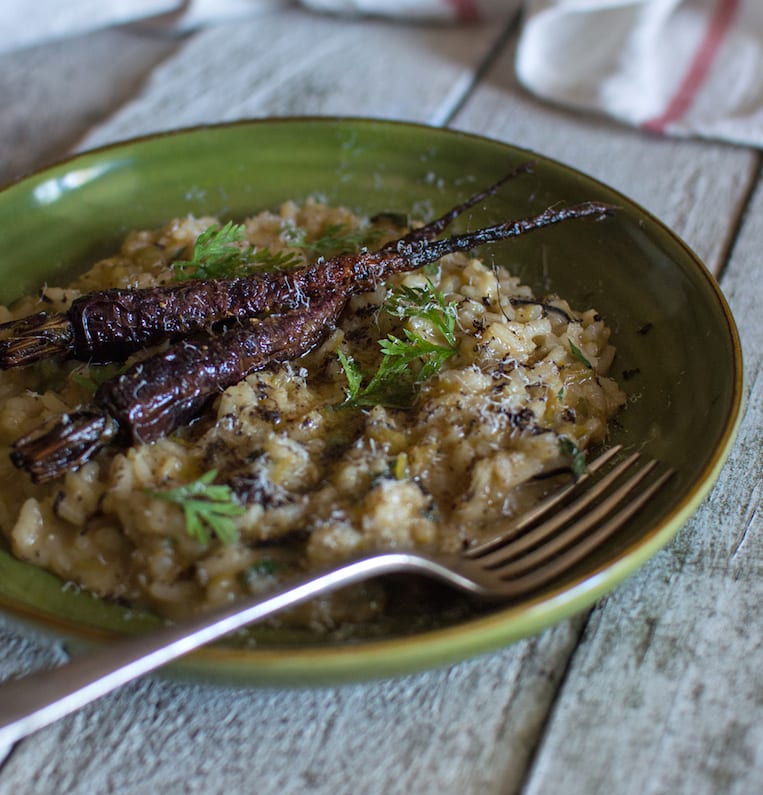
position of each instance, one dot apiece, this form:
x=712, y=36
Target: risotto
x=324, y=457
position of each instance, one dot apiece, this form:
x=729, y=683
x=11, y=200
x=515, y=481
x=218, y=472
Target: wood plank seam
x=745, y=201
x=510, y=30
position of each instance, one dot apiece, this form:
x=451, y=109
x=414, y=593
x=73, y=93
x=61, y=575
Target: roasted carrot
x=169, y=389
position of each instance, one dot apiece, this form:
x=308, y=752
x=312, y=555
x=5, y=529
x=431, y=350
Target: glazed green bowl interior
x=678, y=354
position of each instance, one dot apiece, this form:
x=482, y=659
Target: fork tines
x=572, y=521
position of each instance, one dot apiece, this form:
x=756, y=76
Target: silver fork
x=528, y=554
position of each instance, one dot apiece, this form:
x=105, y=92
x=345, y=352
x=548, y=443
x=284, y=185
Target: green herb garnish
x=266, y=259
x=265, y=567
x=427, y=303
x=578, y=354
x=353, y=374
x=575, y=454
x=217, y=254
x=394, y=384
x=208, y=508
x=335, y=239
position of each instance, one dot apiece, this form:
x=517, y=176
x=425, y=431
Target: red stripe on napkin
x=717, y=29
x=466, y=10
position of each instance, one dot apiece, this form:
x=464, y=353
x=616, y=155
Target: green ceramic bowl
x=674, y=334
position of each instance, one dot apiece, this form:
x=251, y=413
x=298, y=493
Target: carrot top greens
x=218, y=254
x=334, y=239
x=209, y=508
x=394, y=384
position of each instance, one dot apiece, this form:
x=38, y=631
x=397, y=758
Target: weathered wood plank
x=429, y=733
x=51, y=95
x=696, y=187
x=23, y=653
x=297, y=63
x=54, y=20
x=665, y=693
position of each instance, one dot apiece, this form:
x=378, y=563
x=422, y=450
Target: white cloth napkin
x=680, y=67
x=677, y=67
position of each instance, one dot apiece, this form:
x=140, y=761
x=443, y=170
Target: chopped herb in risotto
x=418, y=421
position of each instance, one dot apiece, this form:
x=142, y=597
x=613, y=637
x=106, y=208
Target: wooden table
x=658, y=688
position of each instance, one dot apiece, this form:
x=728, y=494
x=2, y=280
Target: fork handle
x=31, y=702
